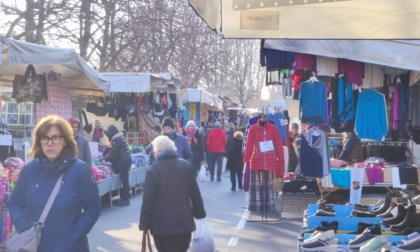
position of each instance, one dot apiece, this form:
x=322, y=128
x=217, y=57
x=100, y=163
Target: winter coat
x=82, y=143
x=119, y=155
x=182, y=147
x=216, y=140
x=197, y=150
x=74, y=211
x=171, y=197
x=269, y=160
x=234, y=155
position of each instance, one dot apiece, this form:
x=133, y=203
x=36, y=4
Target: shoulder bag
x=28, y=241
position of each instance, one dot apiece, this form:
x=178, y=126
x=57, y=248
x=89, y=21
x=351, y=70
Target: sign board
x=6, y=140
x=194, y=95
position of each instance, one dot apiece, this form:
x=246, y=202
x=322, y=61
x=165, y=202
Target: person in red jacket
x=216, y=142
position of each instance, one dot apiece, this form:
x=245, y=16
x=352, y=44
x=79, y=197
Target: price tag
x=266, y=146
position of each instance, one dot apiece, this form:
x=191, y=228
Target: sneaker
x=410, y=237
x=240, y=188
x=361, y=239
x=376, y=244
x=320, y=235
x=412, y=245
x=321, y=245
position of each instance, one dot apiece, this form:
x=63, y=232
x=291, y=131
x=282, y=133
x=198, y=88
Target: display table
x=112, y=184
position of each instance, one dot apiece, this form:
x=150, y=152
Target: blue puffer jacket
x=74, y=211
x=182, y=147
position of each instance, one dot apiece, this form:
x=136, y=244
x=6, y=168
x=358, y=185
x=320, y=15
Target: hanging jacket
x=269, y=160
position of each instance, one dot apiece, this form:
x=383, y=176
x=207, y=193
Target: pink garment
x=353, y=70
x=305, y=61
x=375, y=174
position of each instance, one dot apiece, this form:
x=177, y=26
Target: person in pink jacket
x=216, y=142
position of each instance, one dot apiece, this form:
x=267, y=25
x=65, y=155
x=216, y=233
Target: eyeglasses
x=54, y=139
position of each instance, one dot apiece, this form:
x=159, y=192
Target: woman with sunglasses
x=77, y=204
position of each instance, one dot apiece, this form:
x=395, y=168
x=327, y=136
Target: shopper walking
x=121, y=161
x=81, y=141
x=183, y=149
x=235, y=163
x=195, y=141
x=77, y=205
x=171, y=199
x=156, y=131
x=216, y=142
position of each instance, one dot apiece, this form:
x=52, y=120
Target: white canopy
x=395, y=53
x=312, y=19
x=202, y=96
x=76, y=74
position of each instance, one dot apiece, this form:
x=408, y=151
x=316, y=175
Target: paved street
x=235, y=228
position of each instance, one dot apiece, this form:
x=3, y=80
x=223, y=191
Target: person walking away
x=156, y=131
x=81, y=141
x=171, y=199
x=121, y=161
x=235, y=163
x=216, y=142
x=195, y=141
x=183, y=149
x=77, y=205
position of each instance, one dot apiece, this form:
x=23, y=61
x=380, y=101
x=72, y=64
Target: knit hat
x=167, y=121
x=74, y=120
x=190, y=123
x=295, y=125
x=217, y=124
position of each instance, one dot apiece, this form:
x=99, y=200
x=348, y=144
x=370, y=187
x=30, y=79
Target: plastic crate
x=296, y=202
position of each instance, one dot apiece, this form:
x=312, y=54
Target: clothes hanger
x=313, y=78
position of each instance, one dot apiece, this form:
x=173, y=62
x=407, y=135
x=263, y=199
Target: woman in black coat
x=171, y=199
x=195, y=140
x=121, y=161
x=234, y=163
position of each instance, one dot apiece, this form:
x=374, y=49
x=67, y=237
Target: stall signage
x=6, y=140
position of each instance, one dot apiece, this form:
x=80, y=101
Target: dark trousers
x=216, y=158
x=233, y=176
x=125, y=190
x=172, y=243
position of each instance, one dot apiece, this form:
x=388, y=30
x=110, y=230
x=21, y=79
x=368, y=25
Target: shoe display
x=356, y=213
x=321, y=245
x=324, y=213
x=412, y=245
x=402, y=212
x=376, y=244
x=320, y=235
x=388, y=213
x=412, y=220
x=385, y=206
x=361, y=239
x=410, y=237
x=416, y=200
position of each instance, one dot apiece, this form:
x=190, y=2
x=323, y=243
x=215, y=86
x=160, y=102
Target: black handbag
x=30, y=87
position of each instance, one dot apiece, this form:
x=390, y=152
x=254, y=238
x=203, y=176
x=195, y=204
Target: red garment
x=216, y=140
x=270, y=160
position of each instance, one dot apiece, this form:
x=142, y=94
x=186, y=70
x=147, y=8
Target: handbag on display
x=28, y=241
x=30, y=87
x=145, y=243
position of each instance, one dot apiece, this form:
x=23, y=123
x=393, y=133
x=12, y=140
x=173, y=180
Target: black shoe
x=411, y=220
x=232, y=189
x=385, y=206
x=123, y=203
x=402, y=212
x=219, y=179
x=211, y=178
x=356, y=213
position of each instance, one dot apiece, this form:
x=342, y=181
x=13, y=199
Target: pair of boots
x=410, y=219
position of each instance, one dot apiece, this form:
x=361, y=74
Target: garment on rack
x=305, y=61
x=313, y=111
x=345, y=100
x=313, y=157
x=390, y=151
x=414, y=104
x=371, y=116
x=276, y=59
x=281, y=122
x=353, y=70
x=408, y=175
